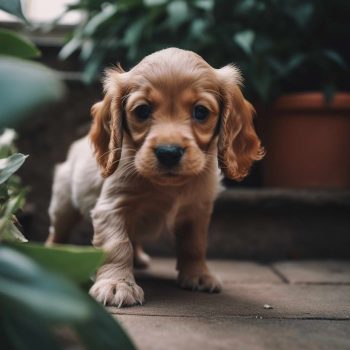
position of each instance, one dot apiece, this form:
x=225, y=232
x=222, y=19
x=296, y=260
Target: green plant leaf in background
x=336, y=58
x=75, y=263
x=14, y=45
x=245, y=40
x=13, y=7
x=10, y=165
x=23, y=86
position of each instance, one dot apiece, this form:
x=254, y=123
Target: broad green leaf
x=29, y=293
x=12, y=7
x=10, y=165
x=74, y=262
x=245, y=40
x=24, y=284
x=14, y=45
x=102, y=332
x=24, y=331
x=24, y=86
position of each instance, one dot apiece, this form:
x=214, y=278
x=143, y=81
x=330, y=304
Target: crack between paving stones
x=323, y=283
x=279, y=274
x=256, y=317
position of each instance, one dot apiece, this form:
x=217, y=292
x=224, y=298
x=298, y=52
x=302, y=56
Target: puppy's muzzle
x=169, y=155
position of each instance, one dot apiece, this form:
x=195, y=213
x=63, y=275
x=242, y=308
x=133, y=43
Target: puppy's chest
x=152, y=218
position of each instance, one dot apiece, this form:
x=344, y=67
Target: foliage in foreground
x=41, y=305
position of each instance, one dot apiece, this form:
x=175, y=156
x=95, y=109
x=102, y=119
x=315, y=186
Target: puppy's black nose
x=169, y=155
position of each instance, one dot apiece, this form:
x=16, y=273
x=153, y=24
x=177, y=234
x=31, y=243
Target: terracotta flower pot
x=308, y=142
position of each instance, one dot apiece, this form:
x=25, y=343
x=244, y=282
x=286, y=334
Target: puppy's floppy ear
x=106, y=133
x=238, y=144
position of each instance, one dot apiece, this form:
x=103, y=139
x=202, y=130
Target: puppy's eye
x=143, y=112
x=200, y=113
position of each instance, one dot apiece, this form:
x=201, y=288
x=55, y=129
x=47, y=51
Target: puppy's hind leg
x=141, y=258
x=63, y=215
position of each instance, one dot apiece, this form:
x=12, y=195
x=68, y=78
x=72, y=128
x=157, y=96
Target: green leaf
x=25, y=285
x=93, y=67
x=68, y=49
x=34, y=303
x=75, y=263
x=10, y=232
x=245, y=40
x=95, y=22
x=12, y=7
x=14, y=45
x=155, y=2
x=20, y=330
x=102, y=332
x=134, y=32
x=206, y=5
x=24, y=86
x=10, y=165
x=245, y=7
x=336, y=58
x=301, y=13
x=178, y=12
x=295, y=62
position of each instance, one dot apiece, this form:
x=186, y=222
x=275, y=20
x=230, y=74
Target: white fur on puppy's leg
x=115, y=283
x=117, y=292
x=141, y=258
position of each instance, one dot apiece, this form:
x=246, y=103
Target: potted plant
x=305, y=121
x=282, y=47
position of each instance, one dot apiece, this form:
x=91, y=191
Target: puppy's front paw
x=204, y=282
x=117, y=292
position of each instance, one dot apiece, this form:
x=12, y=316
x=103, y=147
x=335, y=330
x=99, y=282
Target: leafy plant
x=35, y=302
x=37, y=306
x=280, y=45
x=41, y=305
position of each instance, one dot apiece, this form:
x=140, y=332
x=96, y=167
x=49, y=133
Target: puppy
x=151, y=164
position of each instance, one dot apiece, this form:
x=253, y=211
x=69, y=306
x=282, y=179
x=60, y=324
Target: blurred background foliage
x=280, y=45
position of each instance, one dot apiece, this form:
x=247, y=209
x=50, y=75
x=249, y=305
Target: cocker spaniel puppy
x=158, y=139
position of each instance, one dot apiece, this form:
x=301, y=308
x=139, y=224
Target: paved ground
x=309, y=308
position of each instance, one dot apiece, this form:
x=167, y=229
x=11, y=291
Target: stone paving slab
x=164, y=298
x=307, y=315
x=228, y=271
x=158, y=333
x=324, y=271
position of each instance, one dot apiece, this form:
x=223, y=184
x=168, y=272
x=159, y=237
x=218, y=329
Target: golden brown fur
x=136, y=197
